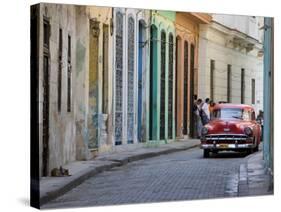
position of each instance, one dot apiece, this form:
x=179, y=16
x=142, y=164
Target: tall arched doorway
x=191, y=94
x=119, y=79
x=162, y=84
x=141, y=46
x=153, y=120
x=131, y=86
x=185, y=88
x=170, y=84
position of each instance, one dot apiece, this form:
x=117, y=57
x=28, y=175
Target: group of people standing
x=203, y=112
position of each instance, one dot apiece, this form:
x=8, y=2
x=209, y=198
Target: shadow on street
x=228, y=155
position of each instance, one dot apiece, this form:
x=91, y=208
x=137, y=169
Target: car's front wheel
x=206, y=153
x=250, y=151
x=256, y=149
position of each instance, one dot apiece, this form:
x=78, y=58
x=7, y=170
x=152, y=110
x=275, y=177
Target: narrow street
x=184, y=175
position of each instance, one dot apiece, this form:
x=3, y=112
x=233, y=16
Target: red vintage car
x=232, y=127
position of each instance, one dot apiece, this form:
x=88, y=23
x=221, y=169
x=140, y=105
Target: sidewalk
x=52, y=187
x=254, y=179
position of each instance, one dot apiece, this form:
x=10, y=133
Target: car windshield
x=232, y=113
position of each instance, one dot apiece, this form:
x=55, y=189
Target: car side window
x=246, y=115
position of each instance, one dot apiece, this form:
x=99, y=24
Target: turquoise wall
x=168, y=14
x=163, y=21
x=268, y=91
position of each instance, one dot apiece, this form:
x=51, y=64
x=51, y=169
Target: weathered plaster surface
x=99, y=123
x=62, y=133
x=70, y=133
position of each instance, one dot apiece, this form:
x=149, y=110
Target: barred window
x=162, y=84
x=185, y=87
x=60, y=70
x=130, y=94
x=212, y=73
x=69, y=75
x=242, y=86
x=119, y=79
x=253, y=91
x=229, y=83
x=105, y=69
x=171, y=80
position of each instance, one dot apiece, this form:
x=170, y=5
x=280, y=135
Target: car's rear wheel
x=206, y=153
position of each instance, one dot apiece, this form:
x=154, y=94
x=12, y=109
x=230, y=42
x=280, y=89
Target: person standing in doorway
x=197, y=112
x=260, y=121
x=205, y=113
x=194, y=117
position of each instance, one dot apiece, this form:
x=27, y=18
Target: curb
x=163, y=152
x=243, y=184
x=246, y=185
x=74, y=182
x=114, y=163
x=243, y=187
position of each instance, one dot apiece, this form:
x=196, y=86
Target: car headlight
x=204, y=131
x=248, y=131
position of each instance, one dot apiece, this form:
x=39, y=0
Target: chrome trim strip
x=242, y=135
x=223, y=139
x=228, y=137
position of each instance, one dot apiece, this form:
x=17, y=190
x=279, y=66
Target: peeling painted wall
x=62, y=128
x=72, y=134
x=81, y=90
x=99, y=119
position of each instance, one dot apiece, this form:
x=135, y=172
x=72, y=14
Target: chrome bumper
x=227, y=146
x=227, y=141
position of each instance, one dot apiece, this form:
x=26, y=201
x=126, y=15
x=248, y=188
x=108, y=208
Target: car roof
x=228, y=105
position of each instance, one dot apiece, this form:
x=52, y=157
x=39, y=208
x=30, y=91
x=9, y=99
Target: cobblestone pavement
x=182, y=175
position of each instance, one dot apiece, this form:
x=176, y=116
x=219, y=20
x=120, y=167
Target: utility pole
x=268, y=93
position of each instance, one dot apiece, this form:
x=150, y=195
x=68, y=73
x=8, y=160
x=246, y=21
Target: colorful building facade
x=99, y=78
x=162, y=69
x=186, y=75
x=131, y=60
x=108, y=78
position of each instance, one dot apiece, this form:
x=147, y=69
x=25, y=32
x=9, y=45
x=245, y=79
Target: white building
x=231, y=61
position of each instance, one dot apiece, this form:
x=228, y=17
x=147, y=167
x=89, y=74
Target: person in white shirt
x=205, y=108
